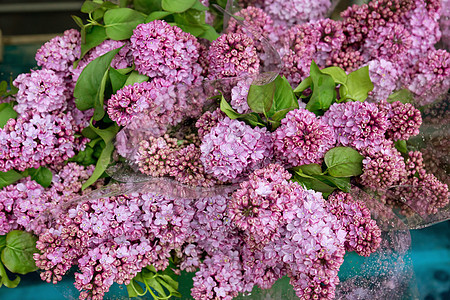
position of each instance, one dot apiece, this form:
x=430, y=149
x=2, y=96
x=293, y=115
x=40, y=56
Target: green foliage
x=94, y=36
x=357, y=87
x=120, y=22
x=41, y=175
x=6, y=112
x=260, y=97
x=343, y=162
x=177, y=6
x=401, y=146
x=404, y=96
x=9, y=177
x=324, y=92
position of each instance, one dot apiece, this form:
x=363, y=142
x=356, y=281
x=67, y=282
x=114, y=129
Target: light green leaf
x=228, y=110
x=306, y=83
x=310, y=169
x=359, y=84
x=339, y=75
x=401, y=146
x=18, y=253
x=5, y=280
x=284, y=97
x=404, y=96
x=343, y=162
x=6, y=112
x=260, y=97
x=177, y=6
x=209, y=33
x=135, y=77
x=121, y=22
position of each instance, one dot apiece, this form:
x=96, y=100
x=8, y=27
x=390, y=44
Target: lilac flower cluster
x=384, y=75
x=233, y=148
x=60, y=53
x=292, y=12
x=239, y=95
x=207, y=121
x=363, y=234
x=302, y=138
x=112, y=239
x=232, y=55
x=405, y=121
x=357, y=124
x=165, y=51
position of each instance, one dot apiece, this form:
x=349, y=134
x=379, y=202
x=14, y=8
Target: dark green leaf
x=18, y=253
x=85, y=157
x=228, y=110
x=9, y=177
x=342, y=183
x=135, y=77
x=42, y=175
x=252, y=119
x=284, y=97
x=157, y=15
x=78, y=20
x=260, y=97
x=147, y=6
x=401, y=146
x=117, y=79
x=404, y=96
x=6, y=112
x=154, y=284
x=3, y=88
x=177, y=6
x=324, y=91
x=359, y=84
x=310, y=169
x=313, y=184
x=94, y=37
x=339, y=75
x=279, y=115
x=2, y=242
x=5, y=280
x=89, y=133
x=120, y=22
x=99, y=110
x=343, y=162
x=91, y=83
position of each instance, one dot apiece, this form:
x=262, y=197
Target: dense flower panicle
x=233, y=148
x=384, y=75
x=331, y=39
x=302, y=138
x=232, y=55
x=405, y=121
x=40, y=90
x=208, y=120
x=348, y=59
x=259, y=22
x=59, y=53
x=383, y=166
x=239, y=95
x=153, y=153
x=162, y=50
x=357, y=124
x=128, y=102
x=34, y=140
x=390, y=42
x=363, y=234
x=293, y=12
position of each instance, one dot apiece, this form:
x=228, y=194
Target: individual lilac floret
x=232, y=55
x=302, y=138
x=41, y=91
x=384, y=76
x=239, y=95
x=291, y=12
x=357, y=124
x=60, y=52
x=405, y=121
x=128, y=102
x=233, y=148
x=390, y=42
x=208, y=120
x=383, y=166
x=363, y=234
x=162, y=50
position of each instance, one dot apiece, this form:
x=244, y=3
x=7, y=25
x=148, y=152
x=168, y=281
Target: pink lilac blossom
x=208, y=120
x=233, y=148
x=232, y=55
x=302, y=138
x=162, y=50
x=348, y=59
x=363, y=234
x=34, y=140
x=385, y=76
x=41, y=91
x=239, y=95
x=153, y=153
x=60, y=53
x=405, y=121
x=357, y=124
x=291, y=12
x=332, y=38
x=383, y=166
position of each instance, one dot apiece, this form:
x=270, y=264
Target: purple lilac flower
x=293, y=12
x=40, y=90
x=239, y=95
x=384, y=75
x=383, y=166
x=405, y=121
x=357, y=124
x=162, y=50
x=59, y=53
x=153, y=153
x=363, y=234
x=233, y=148
x=331, y=40
x=302, y=138
x=34, y=140
x=232, y=55
x=346, y=58
x=208, y=120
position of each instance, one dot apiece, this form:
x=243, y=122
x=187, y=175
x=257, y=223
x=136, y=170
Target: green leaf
x=157, y=15
x=312, y=183
x=42, y=175
x=404, y=96
x=85, y=157
x=310, y=169
x=91, y=83
x=199, y=6
x=177, y=6
x=5, y=280
x=260, y=97
x=99, y=110
x=343, y=162
x=194, y=29
x=284, y=97
x=89, y=6
x=135, y=77
x=342, y=183
x=135, y=290
x=3, y=88
x=209, y=33
x=6, y=112
x=339, y=75
x=147, y=6
x=401, y=146
x=324, y=91
x=358, y=84
x=18, y=253
x=2, y=242
x=9, y=177
x=228, y=110
x=94, y=37
x=117, y=79
x=306, y=83
x=120, y=22
x=78, y=21
x=154, y=284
